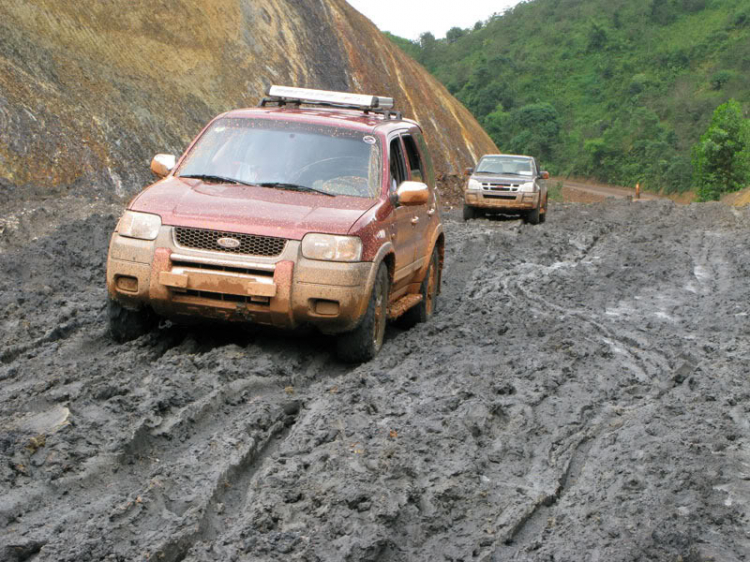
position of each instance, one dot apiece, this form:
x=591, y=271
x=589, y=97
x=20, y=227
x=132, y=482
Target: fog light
x=326, y=308
x=127, y=283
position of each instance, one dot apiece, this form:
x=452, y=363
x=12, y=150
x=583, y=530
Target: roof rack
x=283, y=95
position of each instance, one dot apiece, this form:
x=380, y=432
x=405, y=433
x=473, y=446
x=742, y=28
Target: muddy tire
x=543, y=216
x=364, y=342
x=532, y=217
x=469, y=212
x=429, y=289
x=126, y=324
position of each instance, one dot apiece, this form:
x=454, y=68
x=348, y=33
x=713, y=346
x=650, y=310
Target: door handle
x=431, y=212
x=415, y=220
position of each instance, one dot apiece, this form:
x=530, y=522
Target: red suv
x=316, y=208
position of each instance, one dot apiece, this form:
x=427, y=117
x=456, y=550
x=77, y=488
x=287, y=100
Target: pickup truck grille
x=249, y=244
x=500, y=186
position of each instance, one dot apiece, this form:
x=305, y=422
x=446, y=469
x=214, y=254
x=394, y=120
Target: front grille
x=250, y=244
x=500, y=186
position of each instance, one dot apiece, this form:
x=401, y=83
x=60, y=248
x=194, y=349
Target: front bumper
x=285, y=291
x=502, y=200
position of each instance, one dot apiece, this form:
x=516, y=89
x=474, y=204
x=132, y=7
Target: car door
x=421, y=214
x=402, y=226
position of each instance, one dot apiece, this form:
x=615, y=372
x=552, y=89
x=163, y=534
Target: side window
x=429, y=178
x=415, y=162
x=396, y=164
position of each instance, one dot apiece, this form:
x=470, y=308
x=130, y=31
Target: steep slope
x=618, y=90
x=89, y=91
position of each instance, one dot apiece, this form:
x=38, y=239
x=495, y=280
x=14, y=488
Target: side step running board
x=403, y=304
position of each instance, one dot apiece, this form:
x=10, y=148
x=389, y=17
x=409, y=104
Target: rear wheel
x=126, y=324
x=429, y=289
x=469, y=212
x=364, y=342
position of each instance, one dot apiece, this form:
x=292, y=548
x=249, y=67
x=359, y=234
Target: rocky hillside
x=90, y=90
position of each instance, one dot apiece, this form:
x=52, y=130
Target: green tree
x=721, y=160
x=454, y=34
x=533, y=129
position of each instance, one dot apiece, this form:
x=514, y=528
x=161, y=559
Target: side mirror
x=544, y=175
x=469, y=171
x=162, y=164
x=411, y=193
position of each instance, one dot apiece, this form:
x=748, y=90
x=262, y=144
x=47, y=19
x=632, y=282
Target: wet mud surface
x=582, y=394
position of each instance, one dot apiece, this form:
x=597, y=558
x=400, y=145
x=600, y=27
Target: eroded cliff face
x=90, y=90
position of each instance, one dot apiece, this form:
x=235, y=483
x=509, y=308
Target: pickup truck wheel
x=364, y=342
x=532, y=217
x=126, y=324
x=543, y=216
x=469, y=212
x=423, y=311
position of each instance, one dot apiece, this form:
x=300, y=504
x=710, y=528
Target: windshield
x=512, y=165
x=287, y=155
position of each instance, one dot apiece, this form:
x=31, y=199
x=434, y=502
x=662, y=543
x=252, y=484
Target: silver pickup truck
x=507, y=183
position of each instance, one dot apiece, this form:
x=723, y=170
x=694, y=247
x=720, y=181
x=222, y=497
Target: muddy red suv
x=316, y=208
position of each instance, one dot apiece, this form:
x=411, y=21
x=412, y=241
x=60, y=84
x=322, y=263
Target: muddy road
x=582, y=395
x=599, y=192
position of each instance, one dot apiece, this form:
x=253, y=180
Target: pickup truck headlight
x=139, y=225
x=329, y=247
x=528, y=187
x=473, y=185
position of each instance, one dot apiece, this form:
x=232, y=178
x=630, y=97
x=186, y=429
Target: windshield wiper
x=295, y=187
x=215, y=178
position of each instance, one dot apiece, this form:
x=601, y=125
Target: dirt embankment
x=90, y=91
x=582, y=394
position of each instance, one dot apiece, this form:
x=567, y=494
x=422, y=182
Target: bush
x=720, y=78
x=721, y=160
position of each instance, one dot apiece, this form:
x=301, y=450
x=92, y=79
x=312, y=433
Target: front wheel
x=543, y=216
x=469, y=212
x=364, y=342
x=126, y=324
x=429, y=289
x=532, y=217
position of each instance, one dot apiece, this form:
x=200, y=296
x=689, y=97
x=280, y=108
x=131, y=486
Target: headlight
x=139, y=225
x=331, y=248
x=474, y=185
x=529, y=186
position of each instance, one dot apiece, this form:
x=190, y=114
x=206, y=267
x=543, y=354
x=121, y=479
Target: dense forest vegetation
x=618, y=90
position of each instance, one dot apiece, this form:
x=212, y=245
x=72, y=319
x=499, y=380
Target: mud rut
x=582, y=394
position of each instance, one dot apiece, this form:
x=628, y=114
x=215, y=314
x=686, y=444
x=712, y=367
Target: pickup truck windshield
x=281, y=154
x=505, y=165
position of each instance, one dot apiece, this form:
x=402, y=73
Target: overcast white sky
x=410, y=18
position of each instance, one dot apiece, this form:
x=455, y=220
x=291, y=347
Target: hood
x=249, y=209
x=501, y=178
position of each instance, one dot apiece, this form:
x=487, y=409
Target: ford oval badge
x=228, y=243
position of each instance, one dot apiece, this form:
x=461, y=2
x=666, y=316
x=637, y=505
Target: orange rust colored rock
x=99, y=88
